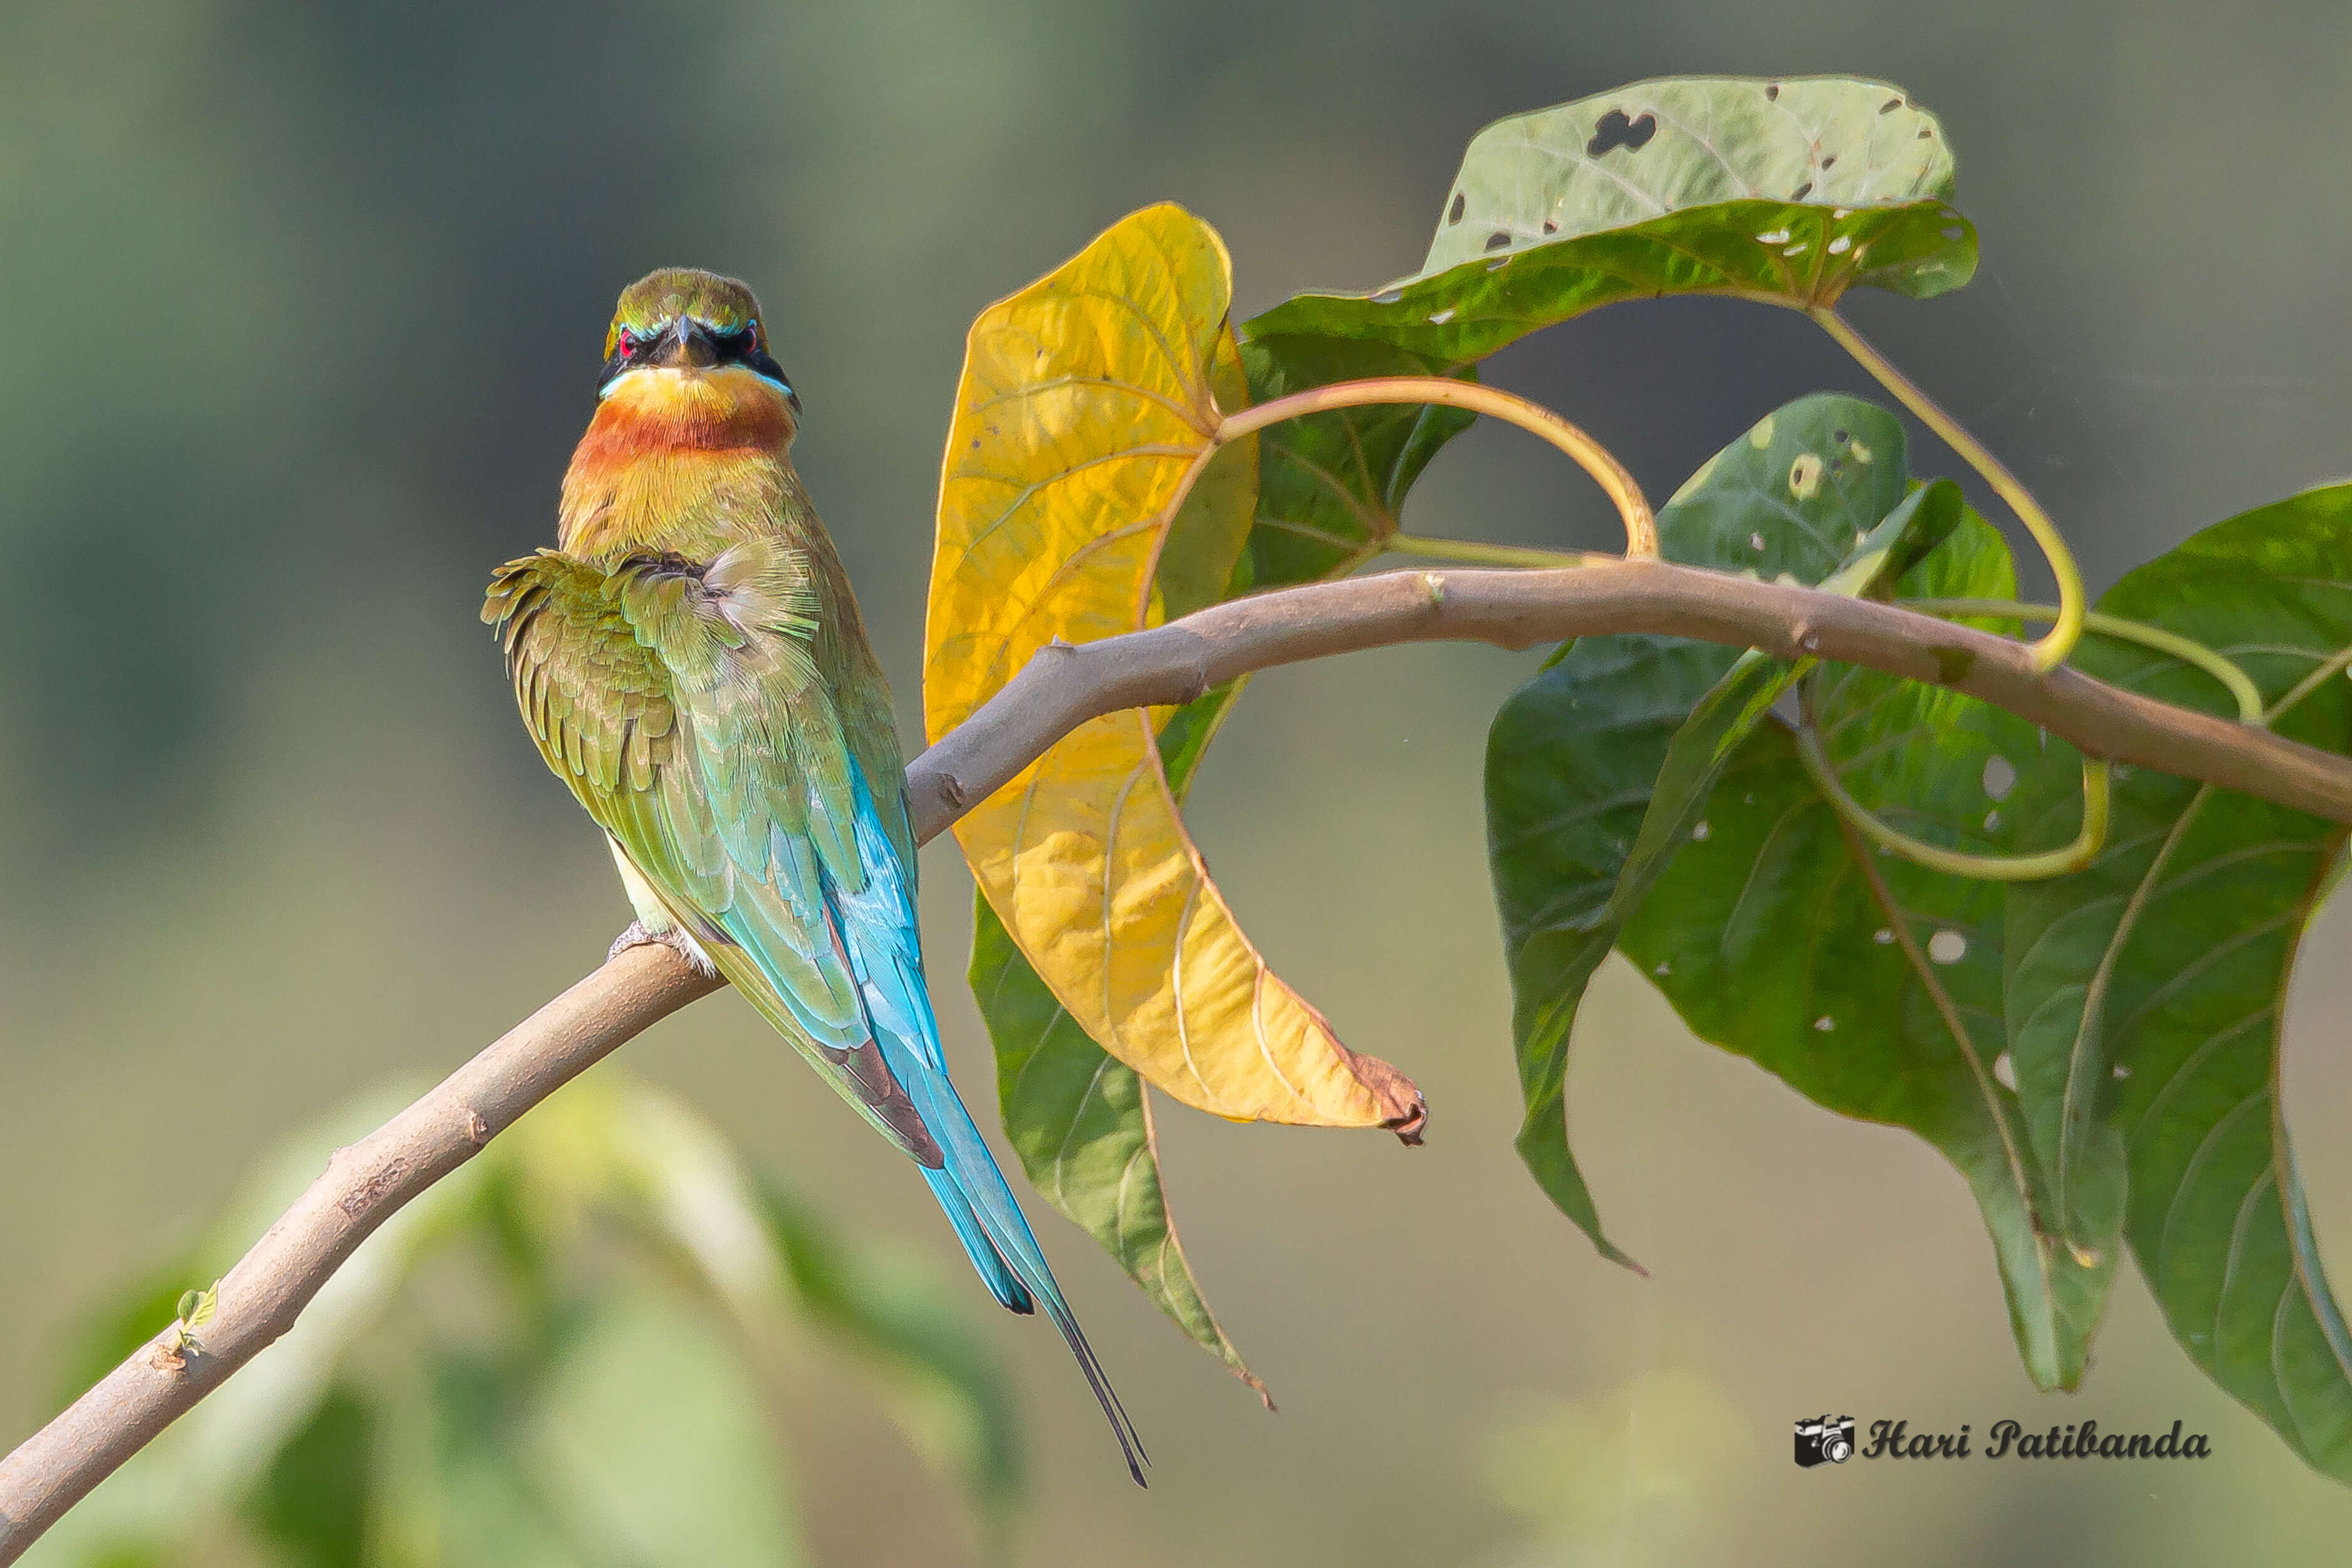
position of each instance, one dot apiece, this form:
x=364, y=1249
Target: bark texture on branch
x=1062, y=688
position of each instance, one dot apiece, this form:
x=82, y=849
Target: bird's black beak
x=686, y=345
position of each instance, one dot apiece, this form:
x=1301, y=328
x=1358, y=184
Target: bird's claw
x=676, y=941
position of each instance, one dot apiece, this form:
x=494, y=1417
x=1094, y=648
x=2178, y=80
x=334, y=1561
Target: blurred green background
x=304, y=313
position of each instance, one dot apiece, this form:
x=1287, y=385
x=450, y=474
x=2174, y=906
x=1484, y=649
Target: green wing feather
x=685, y=708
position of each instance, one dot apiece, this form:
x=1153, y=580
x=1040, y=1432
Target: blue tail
x=878, y=928
x=994, y=1272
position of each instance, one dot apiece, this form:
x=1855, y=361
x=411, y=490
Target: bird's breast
x=681, y=461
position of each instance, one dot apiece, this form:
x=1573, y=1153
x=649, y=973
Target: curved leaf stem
x=1953, y=862
x=2051, y=650
x=2188, y=650
x=1640, y=526
x=1478, y=553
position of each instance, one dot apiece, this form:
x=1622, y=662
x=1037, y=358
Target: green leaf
x=1570, y=761
x=1575, y=755
x=1082, y=1125
x=1331, y=486
x=652, y=1445
x=1205, y=541
x=1867, y=983
x=1186, y=735
x=2154, y=981
x=1788, y=192
x=953, y=1392
x=1736, y=704
x=613, y=1147
x=610, y=1149
x=630, y=1436
x=314, y=1501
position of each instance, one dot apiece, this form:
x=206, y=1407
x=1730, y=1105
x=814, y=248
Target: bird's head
x=682, y=329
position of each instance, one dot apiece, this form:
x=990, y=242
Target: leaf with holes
x=1867, y=983
x=1086, y=400
x=2146, y=998
x=1574, y=757
x=1790, y=192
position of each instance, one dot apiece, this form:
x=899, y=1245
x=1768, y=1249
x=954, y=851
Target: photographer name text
x=2009, y=1439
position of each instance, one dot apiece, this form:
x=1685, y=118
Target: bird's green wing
x=683, y=706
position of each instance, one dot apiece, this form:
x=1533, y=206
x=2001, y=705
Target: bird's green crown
x=653, y=302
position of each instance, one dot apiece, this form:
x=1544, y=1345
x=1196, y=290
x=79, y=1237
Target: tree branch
x=1059, y=689
x=1065, y=686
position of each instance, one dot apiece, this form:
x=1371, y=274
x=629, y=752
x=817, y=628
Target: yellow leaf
x=1086, y=401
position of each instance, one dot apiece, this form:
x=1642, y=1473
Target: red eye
x=628, y=342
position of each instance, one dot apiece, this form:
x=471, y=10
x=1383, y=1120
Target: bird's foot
x=676, y=941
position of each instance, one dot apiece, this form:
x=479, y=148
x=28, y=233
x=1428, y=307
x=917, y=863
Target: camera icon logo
x=1825, y=1439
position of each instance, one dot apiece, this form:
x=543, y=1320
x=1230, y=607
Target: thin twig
x=1060, y=689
